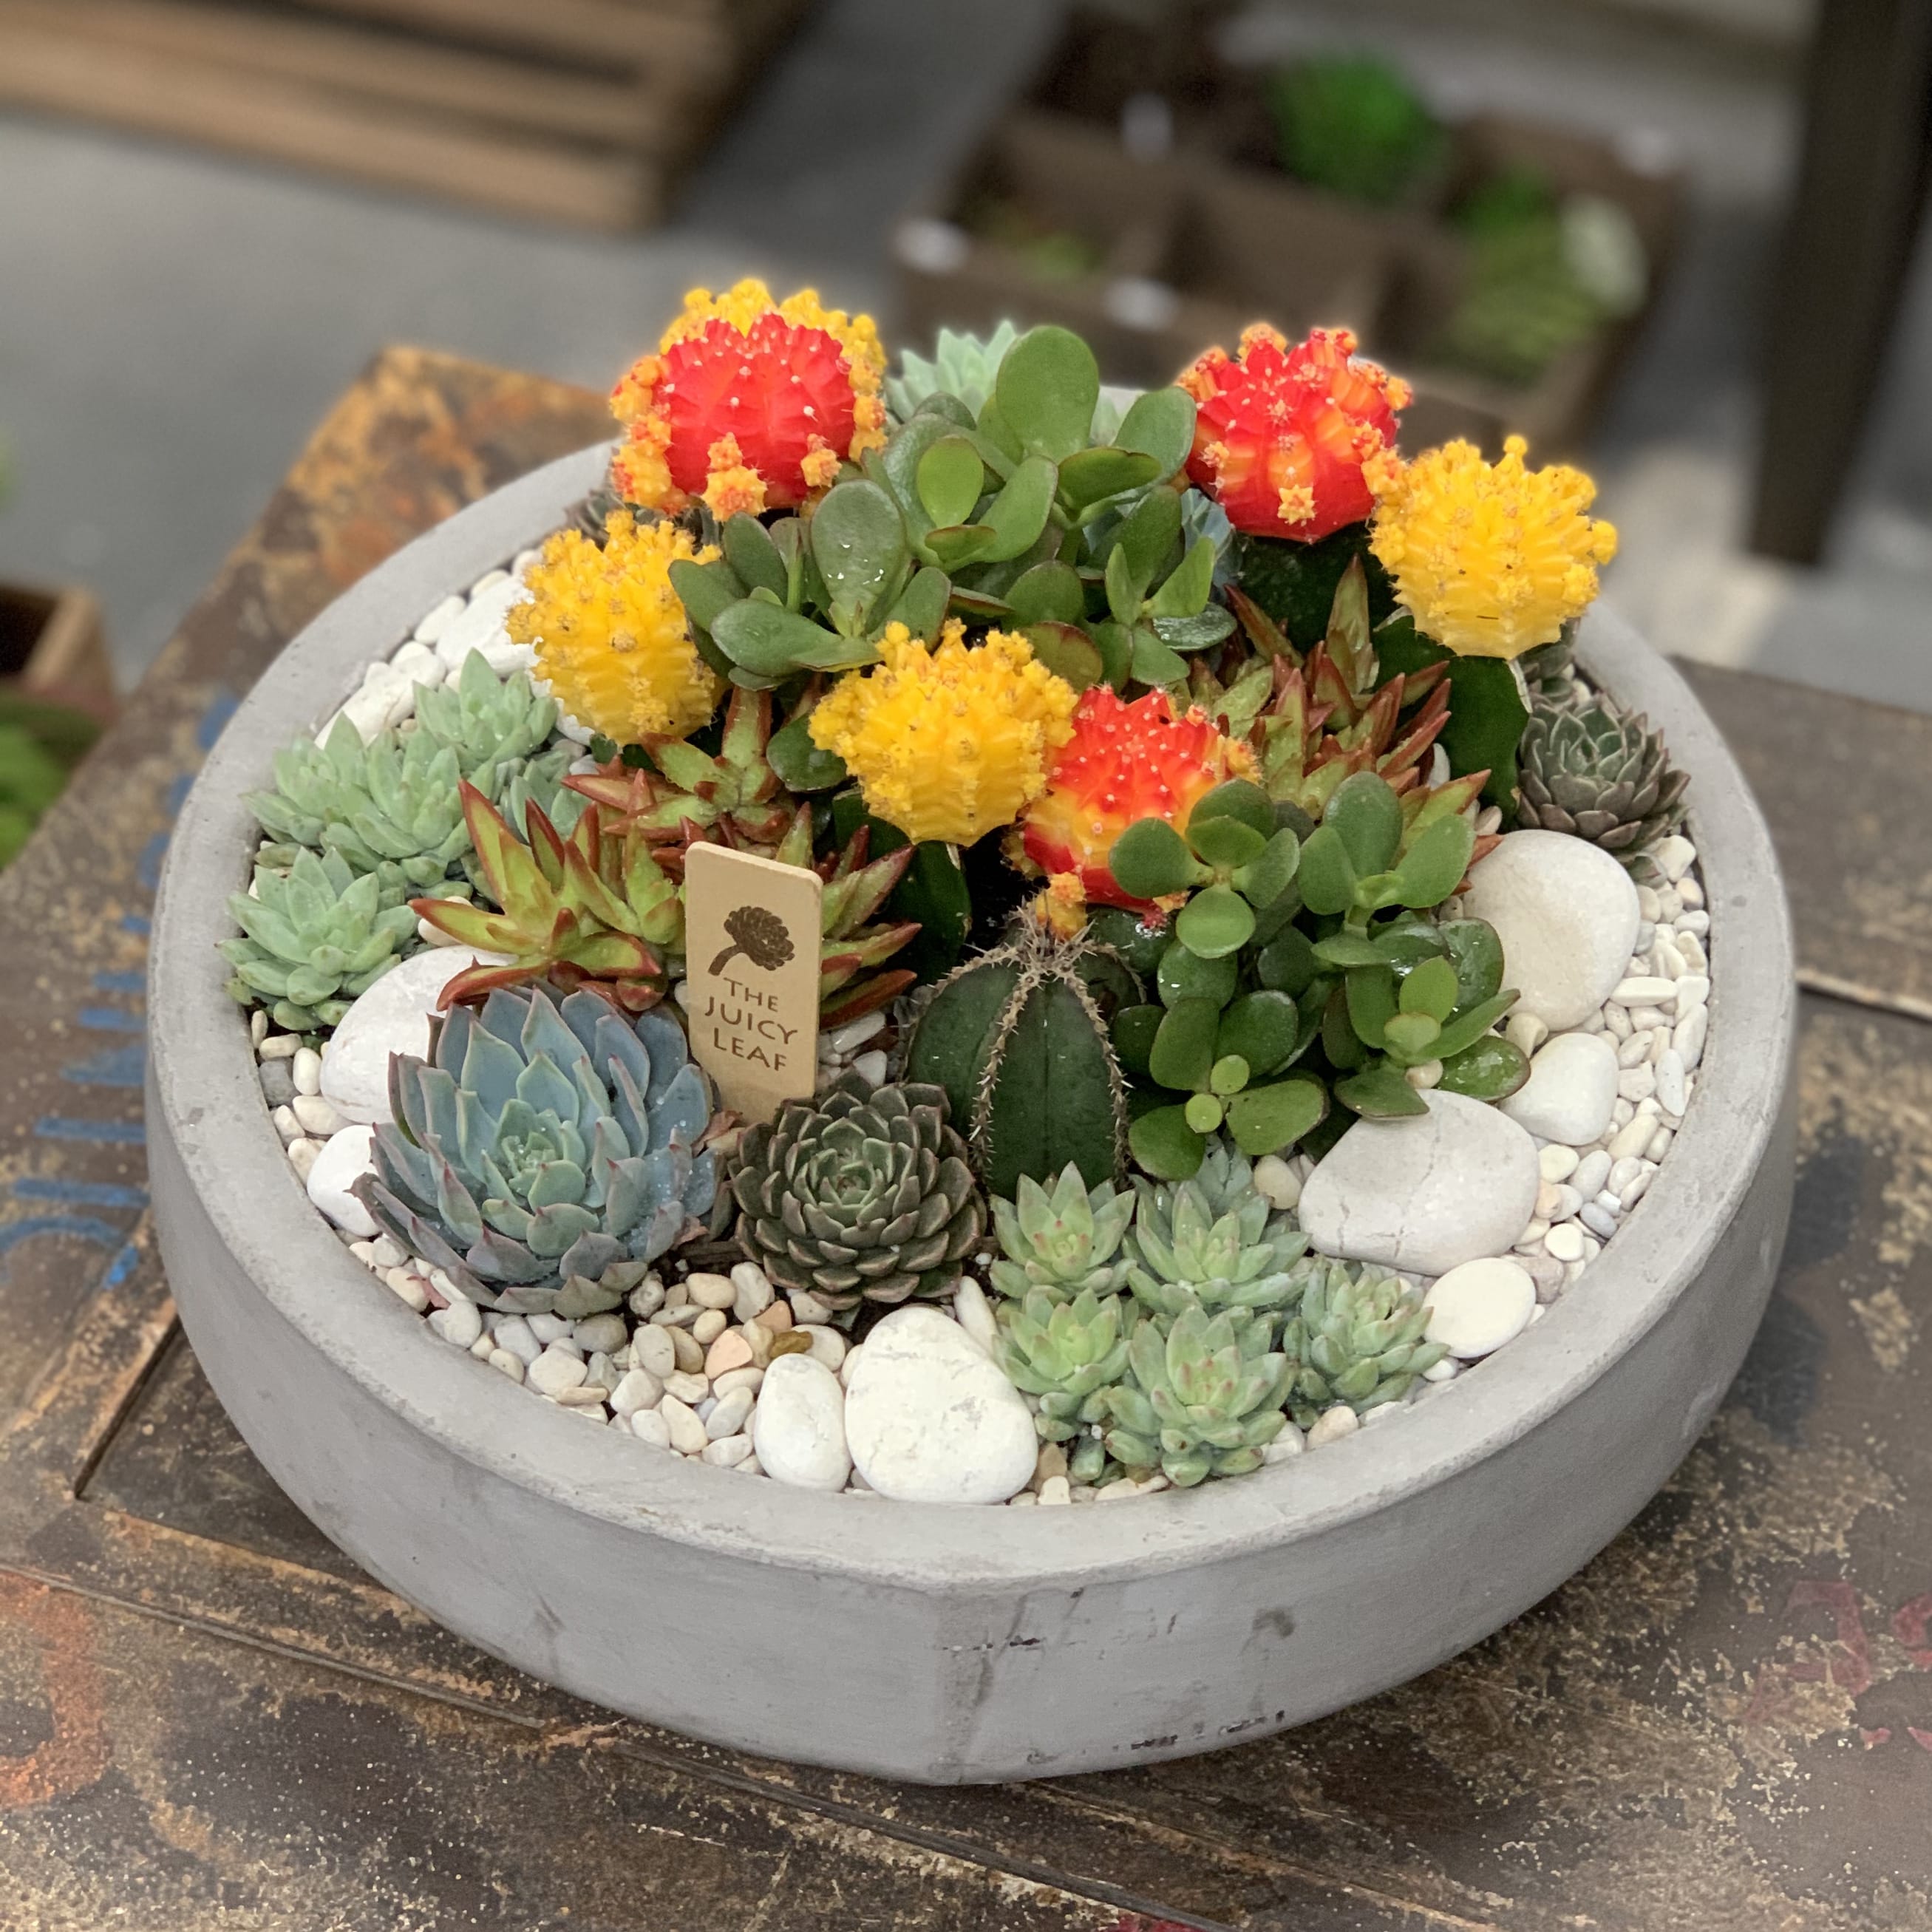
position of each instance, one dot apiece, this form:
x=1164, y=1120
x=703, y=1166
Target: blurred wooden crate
x=581, y=111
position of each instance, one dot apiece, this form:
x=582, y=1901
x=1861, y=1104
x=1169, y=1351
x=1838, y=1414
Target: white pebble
x=1599, y=1220
x=1637, y=1083
x=258, y=1027
x=1634, y=1190
x=410, y=1288
x=306, y=1070
x=636, y=1388
x=807, y=1308
x=548, y=1328
x=1285, y=1447
x=752, y=1292
x=1592, y=1171
x=1562, y=1204
x=513, y=1332
x=287, y=1125
x=1557, y=1162
x=1643, y=991
x=459, y=1324
x=1473, y=1309
x=1674, y=856
x=1532, y=1237
x=303, y=1155
x=1635, y=1049
x=711, y=1290
x=343, y=1160
x=1634, y=1138
x=1055, y=1490
x=849, y=1039
x=750, y=1378
x=1332, y=1424
x=1690, y=892
x=1446, y=1370
x=687, y=1431
x=505, y=1363
x=601, y=1334
x=975, y=1315
x=1649, y=904
x=652, y=1348
x=1694, y=924
x=1660, y=1145
x=1693, y=990
x=439, y=620
x=728, y=1417
x=1670, y=1092
x=1525, y=1032
x=799, y=1427
x=648, y=1425
x=317, y=1117
x=727, y=1452
x=1687, y=1042
x=555, y=1370
x=687, y=1386
x=828, y=1346
x=1277, y=1182
x=1565, y=1243
x=1617, y=1023
x=871, y=1067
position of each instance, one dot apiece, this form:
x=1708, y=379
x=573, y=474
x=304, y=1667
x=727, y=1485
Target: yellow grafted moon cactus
x=611, y=636
x=1492, y=559
x=949, y=743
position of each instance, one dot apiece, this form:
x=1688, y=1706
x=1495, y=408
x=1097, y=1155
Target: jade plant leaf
x=1264, y=879
x=858, y=542
x=707, y=590
x=1045, y=391
x=1432, y=868
x=1466, y=1028
x=921, y=605
x=752, y=555
x=1184, y=1048
x=1018, y=514
x=800, y=764
x=1165, y=1146
x=1160, y=424
x=1477, y=953
x=1090, y=476
x=769, y=641
x=1264, y=1120
x=1492, y=1070
x=1187, y=588
x=1152, y=662
x=1365, y=814
x=1217, y=921
x=1328, y=878
x=950, y=479
x=1226, y=841
x=1380, y=1093
x=1069, y=653
x=1238, y=799
x=1183, y=974
x=1048, y=593
x=1411, y=1037
x=1151, y=860
x=1264, y=1028
x=1134, y=1030
x=1287, y=964
x=1429, y=988
x=1146, y=533
x=1372, y=1003
x=1196, y=633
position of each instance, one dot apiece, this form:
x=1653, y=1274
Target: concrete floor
x=171, y=323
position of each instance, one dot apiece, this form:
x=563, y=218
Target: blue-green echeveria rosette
x=547, y=1138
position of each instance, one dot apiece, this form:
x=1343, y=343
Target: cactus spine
x=1016, y=1040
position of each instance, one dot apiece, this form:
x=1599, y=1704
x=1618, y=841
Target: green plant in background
x=1017, y=1039
x=313, y=938
x=31, y=777
x=1049, y=251
x=1352, y=124
x=547, y=1141
x=1356, y=1337
x=1063, y=1243
x=1544, y=274
x=859, y=1195
x=1008, y=514
x=1204, y=1398
x=1601, y=777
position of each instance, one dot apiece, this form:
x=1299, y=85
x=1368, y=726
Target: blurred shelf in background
x=580, y=112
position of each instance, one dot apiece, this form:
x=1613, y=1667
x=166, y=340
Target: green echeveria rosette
x=1204, y=1398
x=1357, y=1337
x=1063, y=1243
x=1184, y=1255
x=1066, y=1354
x=859, y=1195
x=546, y=1139
x=1601, y=777
x=312, y=939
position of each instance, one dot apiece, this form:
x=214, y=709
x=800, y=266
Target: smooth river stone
x=798, y=1429
x=1571, y=1091
x=1567, y=914
x=1424, y=1194
x=393, y=1016
x=929, y=1419
x=1473, y=1309
x=344, y=1158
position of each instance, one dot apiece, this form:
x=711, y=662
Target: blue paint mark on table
x=70, y=1127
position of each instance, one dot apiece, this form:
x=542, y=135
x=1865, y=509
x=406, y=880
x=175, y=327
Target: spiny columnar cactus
x=545, y=1141
x=1065, y=1243
x=1357, y=1337
x=1017, y=1042
x=1204, y=1398
x=314, y=938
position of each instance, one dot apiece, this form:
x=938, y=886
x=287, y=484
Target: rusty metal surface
x=208, y=1716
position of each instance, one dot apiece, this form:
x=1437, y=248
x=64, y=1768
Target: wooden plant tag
x=752, y=951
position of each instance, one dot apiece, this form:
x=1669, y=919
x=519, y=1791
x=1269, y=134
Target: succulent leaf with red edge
x=588, y=910
x=1124, y=762
x=1289, y=441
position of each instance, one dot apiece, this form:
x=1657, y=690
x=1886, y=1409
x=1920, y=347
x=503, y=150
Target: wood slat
x=343, y=59
x=286, y=118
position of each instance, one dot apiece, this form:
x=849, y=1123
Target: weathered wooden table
x=208, y=1716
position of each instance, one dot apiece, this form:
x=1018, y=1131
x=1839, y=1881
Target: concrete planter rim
x=205, y=1095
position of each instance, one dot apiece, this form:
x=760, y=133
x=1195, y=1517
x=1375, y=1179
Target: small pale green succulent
x=1065, y=1242
x=1357, y=1337
x=487, y=721
x=1067, y=1353
x=312, y=939
x=390, y=807
x=1213, y=1246
x=1203, y=1399
x=961, y=364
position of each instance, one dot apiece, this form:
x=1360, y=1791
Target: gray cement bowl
x=953, y=1644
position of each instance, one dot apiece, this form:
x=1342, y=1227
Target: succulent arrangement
x=1142, y=754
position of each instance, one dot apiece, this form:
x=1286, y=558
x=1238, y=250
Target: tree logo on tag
x=760, y=935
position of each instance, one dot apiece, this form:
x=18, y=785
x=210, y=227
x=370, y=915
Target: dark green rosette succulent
x=859, y=1195
x=1599, y=777
x=546, y=1139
